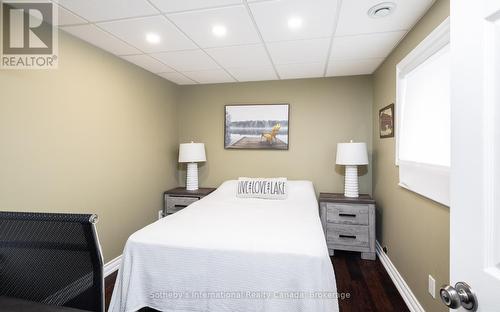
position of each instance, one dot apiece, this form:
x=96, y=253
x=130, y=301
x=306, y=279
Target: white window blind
x=423, y=117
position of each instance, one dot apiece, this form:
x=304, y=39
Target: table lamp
x=192, y=154
x=351, y=155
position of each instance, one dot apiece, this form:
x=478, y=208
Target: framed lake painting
x=256, y=126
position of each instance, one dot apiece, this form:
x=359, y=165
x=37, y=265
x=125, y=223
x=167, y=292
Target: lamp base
x=351, y=181
x=192, y=177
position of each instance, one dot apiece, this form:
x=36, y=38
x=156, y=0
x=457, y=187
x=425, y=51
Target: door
x=475, y=165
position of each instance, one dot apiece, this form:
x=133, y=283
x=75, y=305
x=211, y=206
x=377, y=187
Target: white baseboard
x=403, y=288
x=112, y=266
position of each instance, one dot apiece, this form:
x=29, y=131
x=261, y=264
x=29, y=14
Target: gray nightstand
x=349, y=223
x=179, y=198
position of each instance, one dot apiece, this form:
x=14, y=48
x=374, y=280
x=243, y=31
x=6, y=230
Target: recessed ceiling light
x=153, y=38
x=219, y=30
x=382, y=10
x=294, y=22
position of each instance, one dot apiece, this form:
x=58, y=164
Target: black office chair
x=50, y=262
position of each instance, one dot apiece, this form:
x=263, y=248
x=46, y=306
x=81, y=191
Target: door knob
x=460, y=295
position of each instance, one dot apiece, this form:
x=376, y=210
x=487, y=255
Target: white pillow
x=271, y=188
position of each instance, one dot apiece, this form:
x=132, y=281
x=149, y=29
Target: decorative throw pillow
x=272, y=188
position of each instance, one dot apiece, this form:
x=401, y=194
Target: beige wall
x=97, y=135
x=322, y=113
x=415, y=229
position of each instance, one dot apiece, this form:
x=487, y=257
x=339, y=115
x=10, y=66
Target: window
x=423, y=117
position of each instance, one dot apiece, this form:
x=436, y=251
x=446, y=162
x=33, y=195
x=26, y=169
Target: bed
x=224, y=253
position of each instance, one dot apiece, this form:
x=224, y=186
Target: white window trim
x=435, y=41
x=436, y=188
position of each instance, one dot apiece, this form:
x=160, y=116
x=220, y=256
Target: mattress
x=224, y=253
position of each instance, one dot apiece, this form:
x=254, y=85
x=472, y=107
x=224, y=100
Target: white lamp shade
x=352, y=154
x=192, y=152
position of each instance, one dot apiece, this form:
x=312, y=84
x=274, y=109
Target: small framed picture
x=386, y=121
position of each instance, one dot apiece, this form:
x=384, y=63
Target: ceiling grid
x=218, y=41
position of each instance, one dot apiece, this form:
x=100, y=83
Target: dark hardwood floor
x=109, y=284
x=368, y=284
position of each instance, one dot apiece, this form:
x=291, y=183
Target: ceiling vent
x=381, y=10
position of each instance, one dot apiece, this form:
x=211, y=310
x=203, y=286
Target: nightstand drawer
x=179, y=198
x=348, y=235
x=176, y=203
x=347, y=214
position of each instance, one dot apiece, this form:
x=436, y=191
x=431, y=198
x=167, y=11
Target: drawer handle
x=180, y=206
x=347, y=236
x=350, y=215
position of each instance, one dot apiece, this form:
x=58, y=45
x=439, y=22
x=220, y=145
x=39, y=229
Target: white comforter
x=225, y=253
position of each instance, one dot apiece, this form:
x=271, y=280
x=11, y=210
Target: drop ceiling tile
x=193, y=60
x=353, y=67
x=255, y=73
x=198, y=26
x=240, y=56
x=365, y=46
x=65, y=17
x=294, y=71
x=168, y=6
x=354, y=17
x=100, y=10
x=210, y=76
x=177, y=78
x=299, y=51
x=317, y=17
x=101, y=39
x=148, y=63
x=134, y=32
